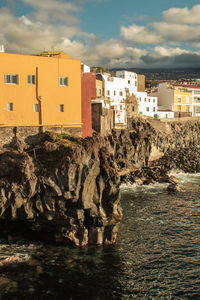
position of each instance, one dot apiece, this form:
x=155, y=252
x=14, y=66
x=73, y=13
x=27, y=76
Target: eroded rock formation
x=67, y=190
x=62, y=189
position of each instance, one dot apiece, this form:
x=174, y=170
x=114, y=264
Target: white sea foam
x=185, y=177
x=154, y=188
x=157, y=187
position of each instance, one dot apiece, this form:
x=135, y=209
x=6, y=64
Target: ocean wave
x=153, y=188
x=185, y=177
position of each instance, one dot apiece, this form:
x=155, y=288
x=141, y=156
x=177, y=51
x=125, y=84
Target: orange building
x=39, y=90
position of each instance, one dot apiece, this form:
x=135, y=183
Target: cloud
x=152, y=59
x=31, y=36
x=173, y=58
x=161, y=32
x=110, y=49
x=169, y=52
x=54, y=25
x=177, y=32
x=139, y=35
x=180, y=25
x=183, y=15
x=187, y=60
x=54, y=10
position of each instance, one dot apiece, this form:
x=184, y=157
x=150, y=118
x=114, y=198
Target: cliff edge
x=64, y=189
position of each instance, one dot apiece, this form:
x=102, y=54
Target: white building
x=114, y=90
x=147, y=105
x=164, y=113
x=85, y=68
x=130, y=79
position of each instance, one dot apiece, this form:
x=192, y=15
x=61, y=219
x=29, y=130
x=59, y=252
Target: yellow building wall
x=186, y=99
x=23, y=95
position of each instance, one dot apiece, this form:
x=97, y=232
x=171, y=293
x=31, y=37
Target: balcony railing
x=196, y=100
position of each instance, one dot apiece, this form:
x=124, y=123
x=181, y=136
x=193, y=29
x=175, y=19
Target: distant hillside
x=166, y=74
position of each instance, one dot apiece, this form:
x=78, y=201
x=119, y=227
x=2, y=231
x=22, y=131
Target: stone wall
x=31, y=133
x=102, y=119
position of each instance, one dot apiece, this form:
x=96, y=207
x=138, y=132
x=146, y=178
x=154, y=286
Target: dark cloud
x=151, y=59
x=185, y=60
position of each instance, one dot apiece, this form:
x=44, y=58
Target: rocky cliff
x=67, y=190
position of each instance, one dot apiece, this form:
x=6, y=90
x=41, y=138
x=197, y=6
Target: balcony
x=196, y=100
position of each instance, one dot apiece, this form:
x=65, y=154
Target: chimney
x=2, y=49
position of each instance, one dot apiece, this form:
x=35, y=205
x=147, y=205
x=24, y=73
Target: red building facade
x=88, y=93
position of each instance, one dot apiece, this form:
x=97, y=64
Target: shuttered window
x=11, y=79
x=31, y=79
x=63, y=81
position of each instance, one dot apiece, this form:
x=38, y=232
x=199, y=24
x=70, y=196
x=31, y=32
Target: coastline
x=67, y=190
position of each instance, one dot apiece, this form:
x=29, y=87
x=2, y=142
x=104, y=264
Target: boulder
x=174, y=180
x=173, y=188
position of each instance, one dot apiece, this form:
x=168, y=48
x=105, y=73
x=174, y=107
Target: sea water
x=157, y=254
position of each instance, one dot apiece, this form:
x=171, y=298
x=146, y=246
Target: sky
x=107, y=33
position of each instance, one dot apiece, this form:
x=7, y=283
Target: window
x=10, y=106
x=187, y=108
x=11, y=79
x=145, y=99
x=133, y=108
x=61, y=107
x=114, y=93
x=31, y=79
x=129, y=82
x=147, y=108
x=154, y=109
x=179, y=99
x=121, y=107
x=99, y=92
x=153, y=100
x=108, y=93
x=149, y=100
x=179, y=108
x=63, y=81
x=36, y=108
x=187, y=99
x=140, y=99
x=121, y=93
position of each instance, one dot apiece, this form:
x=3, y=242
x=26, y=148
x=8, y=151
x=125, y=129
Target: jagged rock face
x=67, y=190
x=64, y=190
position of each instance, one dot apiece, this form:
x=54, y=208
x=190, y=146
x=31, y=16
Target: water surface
x=157, y=254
